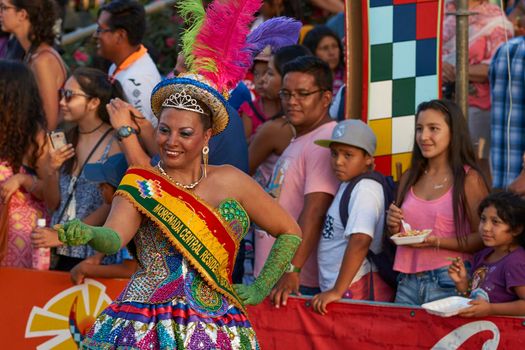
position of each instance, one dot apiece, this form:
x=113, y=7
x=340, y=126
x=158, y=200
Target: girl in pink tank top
x=441, y=191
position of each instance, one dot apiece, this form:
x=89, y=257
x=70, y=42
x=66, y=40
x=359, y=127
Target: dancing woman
x=187, y=219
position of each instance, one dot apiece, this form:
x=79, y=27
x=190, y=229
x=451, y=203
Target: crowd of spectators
x=282, y=133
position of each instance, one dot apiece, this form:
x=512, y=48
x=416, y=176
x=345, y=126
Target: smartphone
x=58, y=139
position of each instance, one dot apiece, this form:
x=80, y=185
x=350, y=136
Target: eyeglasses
x=300, y=95
x=68, y=94
x=101, y=30
x=6, y=7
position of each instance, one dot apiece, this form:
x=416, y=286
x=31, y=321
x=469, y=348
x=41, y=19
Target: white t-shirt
x=138, y=80
x=366, y=214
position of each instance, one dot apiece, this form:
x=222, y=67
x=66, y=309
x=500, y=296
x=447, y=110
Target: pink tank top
x=434, y=214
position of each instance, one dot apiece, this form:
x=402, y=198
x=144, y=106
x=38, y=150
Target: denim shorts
x=423, y=287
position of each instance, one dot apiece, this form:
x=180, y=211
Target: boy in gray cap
x=344, y=270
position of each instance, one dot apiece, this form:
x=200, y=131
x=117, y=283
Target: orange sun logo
x=68, y=315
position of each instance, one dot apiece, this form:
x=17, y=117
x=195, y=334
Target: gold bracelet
x=438, y=243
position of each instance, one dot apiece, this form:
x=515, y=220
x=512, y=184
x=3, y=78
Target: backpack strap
x=387, y=183
x=373, y=175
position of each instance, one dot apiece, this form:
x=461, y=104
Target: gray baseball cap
x=352, y=132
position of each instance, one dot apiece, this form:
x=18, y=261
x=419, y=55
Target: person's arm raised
x=120, y=113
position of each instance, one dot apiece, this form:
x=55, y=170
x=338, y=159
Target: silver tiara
x=182, y=100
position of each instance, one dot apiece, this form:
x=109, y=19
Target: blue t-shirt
x=230, y=147
x=239, y=95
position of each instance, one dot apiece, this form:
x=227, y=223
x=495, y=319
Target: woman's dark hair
x=318, y=33
x=21, y=114
x=128, y=15
x=286, y=54
x=281, y=57
x=314, y=66
x=460, y=155
x=43, y=15
x=206, y=118
x=511, y=210
x=290, y=8
x=95, y=84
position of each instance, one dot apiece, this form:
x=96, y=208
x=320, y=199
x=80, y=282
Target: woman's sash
x=191, y=226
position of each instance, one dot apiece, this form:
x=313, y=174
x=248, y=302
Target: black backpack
x=384, y=261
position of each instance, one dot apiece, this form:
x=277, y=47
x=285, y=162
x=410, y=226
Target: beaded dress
x=167, y=305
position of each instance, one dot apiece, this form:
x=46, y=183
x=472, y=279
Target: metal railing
x=84, y=32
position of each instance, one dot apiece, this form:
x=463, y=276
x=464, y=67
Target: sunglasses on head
x=68, y=94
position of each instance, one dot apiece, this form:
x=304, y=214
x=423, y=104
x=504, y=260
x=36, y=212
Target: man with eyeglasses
x=121, y=27
x=302, y=179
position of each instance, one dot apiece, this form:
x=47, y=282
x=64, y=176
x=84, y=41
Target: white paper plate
x=410, y=239
x=446, y=307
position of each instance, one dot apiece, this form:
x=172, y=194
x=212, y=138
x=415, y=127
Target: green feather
x=193, y=13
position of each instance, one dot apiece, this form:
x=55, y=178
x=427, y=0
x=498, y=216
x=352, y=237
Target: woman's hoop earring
x=205, y=152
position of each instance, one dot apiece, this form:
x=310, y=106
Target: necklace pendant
x=186, y=187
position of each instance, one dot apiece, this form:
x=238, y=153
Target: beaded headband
x=182, y=100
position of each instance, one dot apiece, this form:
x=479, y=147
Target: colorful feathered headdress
x=219, y=49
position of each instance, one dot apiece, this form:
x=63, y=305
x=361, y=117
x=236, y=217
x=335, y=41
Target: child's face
x=272, y=81
x=259, y=70
x=348, y=161
x=107, y=192
x=494, y=232
x=432, y=134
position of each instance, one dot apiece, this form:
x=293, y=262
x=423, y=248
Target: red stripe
x=173, y=310
x=201, y=210
x=366, y=53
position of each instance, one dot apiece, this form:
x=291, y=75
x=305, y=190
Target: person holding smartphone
x=22, y=149
x=69, y=194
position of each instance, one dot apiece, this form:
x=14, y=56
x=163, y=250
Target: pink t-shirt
x=303, y=168
x=437, y=215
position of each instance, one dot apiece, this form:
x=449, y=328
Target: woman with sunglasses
x=69, y=194
x=22, y=149
x=33, y=24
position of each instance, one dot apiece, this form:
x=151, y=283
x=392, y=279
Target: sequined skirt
x=172, y=325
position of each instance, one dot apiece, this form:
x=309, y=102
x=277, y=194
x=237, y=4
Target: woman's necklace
x=186, y=187
x=91, y=131
x=438, y=186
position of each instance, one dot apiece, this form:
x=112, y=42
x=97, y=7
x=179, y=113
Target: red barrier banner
x=43, y=310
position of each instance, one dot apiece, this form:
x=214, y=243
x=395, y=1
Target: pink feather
x=220, y=47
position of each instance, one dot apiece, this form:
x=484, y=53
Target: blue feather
x=276, y=32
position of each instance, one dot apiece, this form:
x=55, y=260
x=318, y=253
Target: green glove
x=278, y=261
x=102, y=239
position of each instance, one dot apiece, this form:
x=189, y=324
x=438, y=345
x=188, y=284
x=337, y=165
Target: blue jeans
x=304, y=290
x=423, y=287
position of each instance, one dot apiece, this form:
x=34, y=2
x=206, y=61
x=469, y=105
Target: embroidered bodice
x=165, y=275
